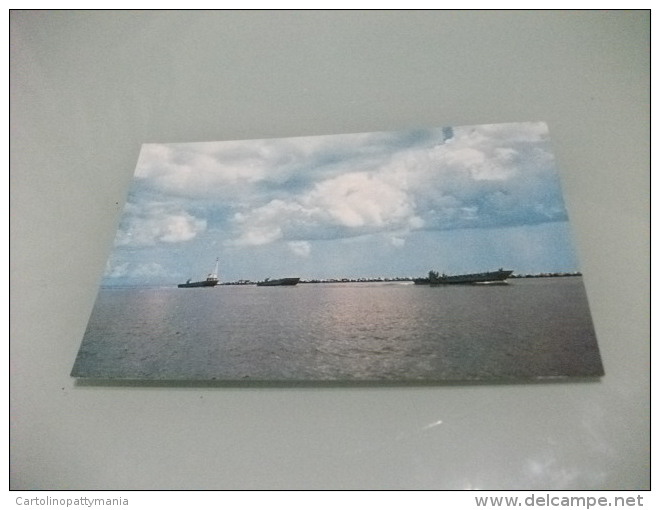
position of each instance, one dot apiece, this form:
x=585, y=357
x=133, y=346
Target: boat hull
x=279, y=283
x=466, y=279
x=191, y=285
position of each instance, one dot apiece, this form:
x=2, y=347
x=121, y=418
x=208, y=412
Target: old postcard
x=424, y=255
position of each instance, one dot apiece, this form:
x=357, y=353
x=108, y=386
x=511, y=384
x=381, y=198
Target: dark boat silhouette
x=211, y=280
x=278, y=283
x=434, y=278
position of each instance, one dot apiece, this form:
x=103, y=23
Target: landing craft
x=434, y=278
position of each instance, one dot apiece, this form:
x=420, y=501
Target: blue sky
x=461, y=199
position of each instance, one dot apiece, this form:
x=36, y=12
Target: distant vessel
x=277, y=283
x=434, y=278
x=211, y=280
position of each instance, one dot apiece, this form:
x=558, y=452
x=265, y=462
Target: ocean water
x=530, y=328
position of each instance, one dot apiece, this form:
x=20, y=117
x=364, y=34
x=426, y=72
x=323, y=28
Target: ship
x=434, y=278
x=278, y=283
x=210, y=281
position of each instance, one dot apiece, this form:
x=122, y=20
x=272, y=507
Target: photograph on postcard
x=423, y=255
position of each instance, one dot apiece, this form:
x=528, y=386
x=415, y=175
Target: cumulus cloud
x=265, y=224
x=189, y=199
x=323, y=187
x=239, y=172
x=350, y=204
x=487, y=176
x=150, y=224
x=479, y=177
x=300, y=248
x=363, y=199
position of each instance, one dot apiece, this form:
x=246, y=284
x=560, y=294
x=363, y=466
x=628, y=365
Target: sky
x=385, y=204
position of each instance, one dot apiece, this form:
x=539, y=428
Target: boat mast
x=215, y=270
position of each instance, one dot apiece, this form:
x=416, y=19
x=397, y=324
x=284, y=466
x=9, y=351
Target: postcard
x=425, y=255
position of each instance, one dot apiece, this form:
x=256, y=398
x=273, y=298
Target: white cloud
x=199, y=170
x=335, y=186
x=485, y=176
x=361, y=200
x=372, y=188
x=157, y=223
x=234, y=170
x=300, y=248
x=263, y=225
x=353, y=203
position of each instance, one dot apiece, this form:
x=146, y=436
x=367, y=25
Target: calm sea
x=537, y=327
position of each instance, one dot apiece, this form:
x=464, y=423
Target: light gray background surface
x=87, y=88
